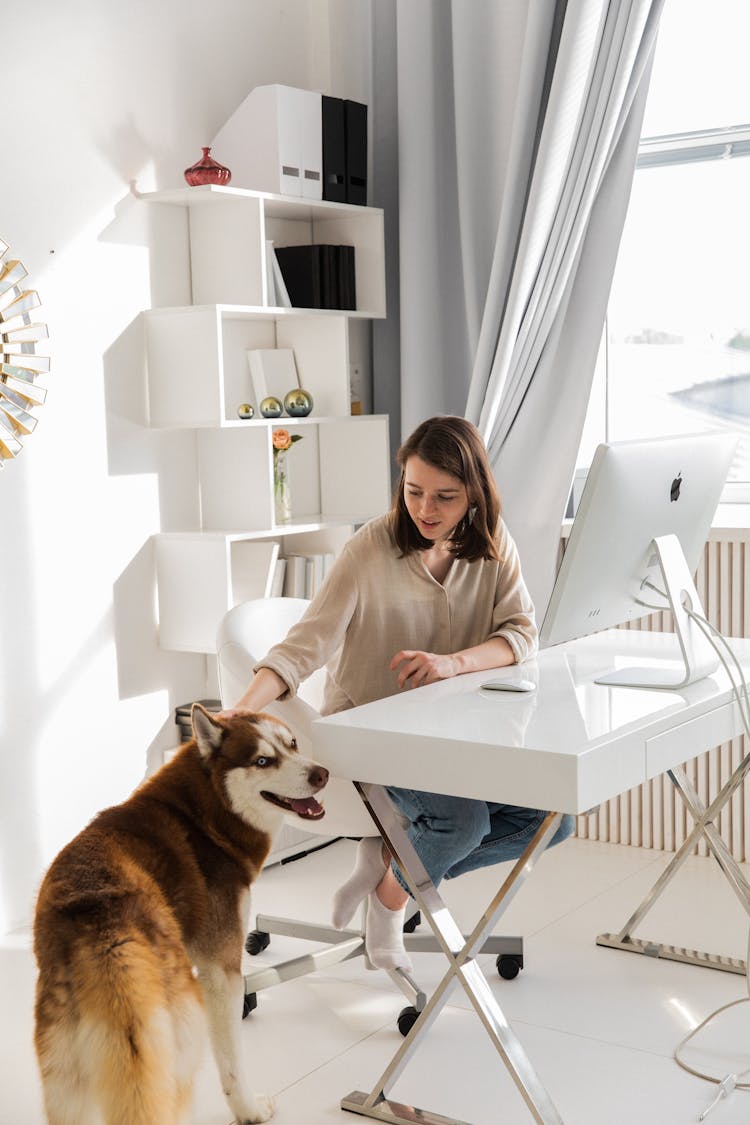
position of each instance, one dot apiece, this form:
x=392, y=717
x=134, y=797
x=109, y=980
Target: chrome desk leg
x=463, y=968
x=704, y=817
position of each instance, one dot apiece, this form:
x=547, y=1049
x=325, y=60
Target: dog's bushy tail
x=118, y=1031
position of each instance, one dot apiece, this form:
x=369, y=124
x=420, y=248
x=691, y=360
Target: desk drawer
x=691, y=738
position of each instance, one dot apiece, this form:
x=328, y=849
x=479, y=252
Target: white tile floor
x=600, y=1026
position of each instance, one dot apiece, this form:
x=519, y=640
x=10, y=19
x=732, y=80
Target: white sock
x=368, y=871
x=384, y=937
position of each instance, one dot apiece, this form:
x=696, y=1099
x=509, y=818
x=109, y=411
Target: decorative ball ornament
x=245, y=411
x=20, y=366
x=271, y=407
x=298, y=403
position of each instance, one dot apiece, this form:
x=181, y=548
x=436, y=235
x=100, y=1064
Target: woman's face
x=435, y=500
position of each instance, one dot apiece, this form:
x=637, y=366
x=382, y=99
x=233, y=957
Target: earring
x=471, y=513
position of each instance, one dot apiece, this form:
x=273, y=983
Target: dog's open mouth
x=306, y=807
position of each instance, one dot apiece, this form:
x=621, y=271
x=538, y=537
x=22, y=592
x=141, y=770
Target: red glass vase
x=207, y=171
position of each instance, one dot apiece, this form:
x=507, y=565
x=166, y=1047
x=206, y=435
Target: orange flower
x=281, y=439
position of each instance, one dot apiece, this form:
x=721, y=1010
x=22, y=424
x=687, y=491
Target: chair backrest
x=245, y=635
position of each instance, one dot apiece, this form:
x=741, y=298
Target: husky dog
x=140, y=924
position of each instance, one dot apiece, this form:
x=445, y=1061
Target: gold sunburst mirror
x=20, y=366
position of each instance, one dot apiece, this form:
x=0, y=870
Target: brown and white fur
x=140, y=924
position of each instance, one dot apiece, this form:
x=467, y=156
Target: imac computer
x=636, y=540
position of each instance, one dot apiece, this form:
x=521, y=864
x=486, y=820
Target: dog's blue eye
x=262, y=762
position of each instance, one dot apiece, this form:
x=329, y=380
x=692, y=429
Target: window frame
x=721, y=143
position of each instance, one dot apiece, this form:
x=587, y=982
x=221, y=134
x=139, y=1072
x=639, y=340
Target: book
x=271, y=297
x=295, y=579
x=273, y=371
x=301, y=270
x=347, y=291
x=321, y=564
x=305, y=574
x=279, y=574
x=282, y=294
x=319, y=275
x=329, y=277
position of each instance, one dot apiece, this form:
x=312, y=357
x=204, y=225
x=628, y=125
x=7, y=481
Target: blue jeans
x=452, y=835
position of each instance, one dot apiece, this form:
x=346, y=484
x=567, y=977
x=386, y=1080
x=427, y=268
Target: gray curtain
x=441, y=187
x=518, y=125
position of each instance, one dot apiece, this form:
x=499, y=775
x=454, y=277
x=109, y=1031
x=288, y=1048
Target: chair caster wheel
x=256, y=942
x=509, y=965
x=411, y=923
x=407, y=1017
x=249, y=1003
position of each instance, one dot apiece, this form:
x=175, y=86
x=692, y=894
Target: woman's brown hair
x=454, y=446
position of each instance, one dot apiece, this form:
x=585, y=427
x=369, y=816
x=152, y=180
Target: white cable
x=707, y=628
x=710, y=632
x=726, y=1086
x=730, y=1081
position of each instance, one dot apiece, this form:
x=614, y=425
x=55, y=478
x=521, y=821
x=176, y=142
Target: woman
x=430, y=591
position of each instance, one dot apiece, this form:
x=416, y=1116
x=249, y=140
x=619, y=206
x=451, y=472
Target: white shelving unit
x=229, y=228
x=198, y=371
x=198, y=375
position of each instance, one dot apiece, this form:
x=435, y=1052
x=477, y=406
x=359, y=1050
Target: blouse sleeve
x=319, y=633
x=513, y=615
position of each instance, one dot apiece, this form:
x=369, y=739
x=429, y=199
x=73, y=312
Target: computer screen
x=636, y=494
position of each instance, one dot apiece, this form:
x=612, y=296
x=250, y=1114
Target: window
x=675, y=354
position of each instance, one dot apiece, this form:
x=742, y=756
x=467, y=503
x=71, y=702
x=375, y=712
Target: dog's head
x=255, y=765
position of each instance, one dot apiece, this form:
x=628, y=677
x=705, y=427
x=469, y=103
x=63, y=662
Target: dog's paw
x=261, y=1110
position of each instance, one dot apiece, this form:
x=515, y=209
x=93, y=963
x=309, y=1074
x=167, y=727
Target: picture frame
x=273, y=371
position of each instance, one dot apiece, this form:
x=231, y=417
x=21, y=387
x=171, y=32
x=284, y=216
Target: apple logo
x=674, y=492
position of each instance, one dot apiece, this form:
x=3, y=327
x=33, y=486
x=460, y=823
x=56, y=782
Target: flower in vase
x=282, y=441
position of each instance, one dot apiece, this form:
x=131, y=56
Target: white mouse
x=509, y=685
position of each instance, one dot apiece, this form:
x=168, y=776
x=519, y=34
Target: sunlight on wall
x=81, y=526
x=86, y=693
x=103, y=765
x=87, y=663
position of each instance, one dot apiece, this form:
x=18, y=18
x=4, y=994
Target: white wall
x=97, y=93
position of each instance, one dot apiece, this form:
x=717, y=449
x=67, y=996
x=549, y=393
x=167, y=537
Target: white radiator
x=653, y=816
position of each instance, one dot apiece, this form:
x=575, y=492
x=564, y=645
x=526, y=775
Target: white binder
x=273, y=142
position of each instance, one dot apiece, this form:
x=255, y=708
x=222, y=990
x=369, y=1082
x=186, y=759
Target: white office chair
x=245, y=635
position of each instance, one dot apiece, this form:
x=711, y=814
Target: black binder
x=334, y=149
x=347, y=295
x=300, y=267
x=355, y=119
x=320, y=276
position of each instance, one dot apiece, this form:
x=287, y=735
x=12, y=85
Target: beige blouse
x=374, y=603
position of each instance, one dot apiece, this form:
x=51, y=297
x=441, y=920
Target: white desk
x=568, y=746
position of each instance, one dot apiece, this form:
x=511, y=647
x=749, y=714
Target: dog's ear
x=208, y=733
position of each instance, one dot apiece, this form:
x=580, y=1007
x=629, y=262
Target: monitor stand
x=698, y=654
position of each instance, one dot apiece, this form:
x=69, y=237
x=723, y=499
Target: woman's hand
x=234, y=712
x=418, y=668
x=264, y=688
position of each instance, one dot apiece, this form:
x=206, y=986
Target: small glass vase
x=282, y=501
x=207, y=171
